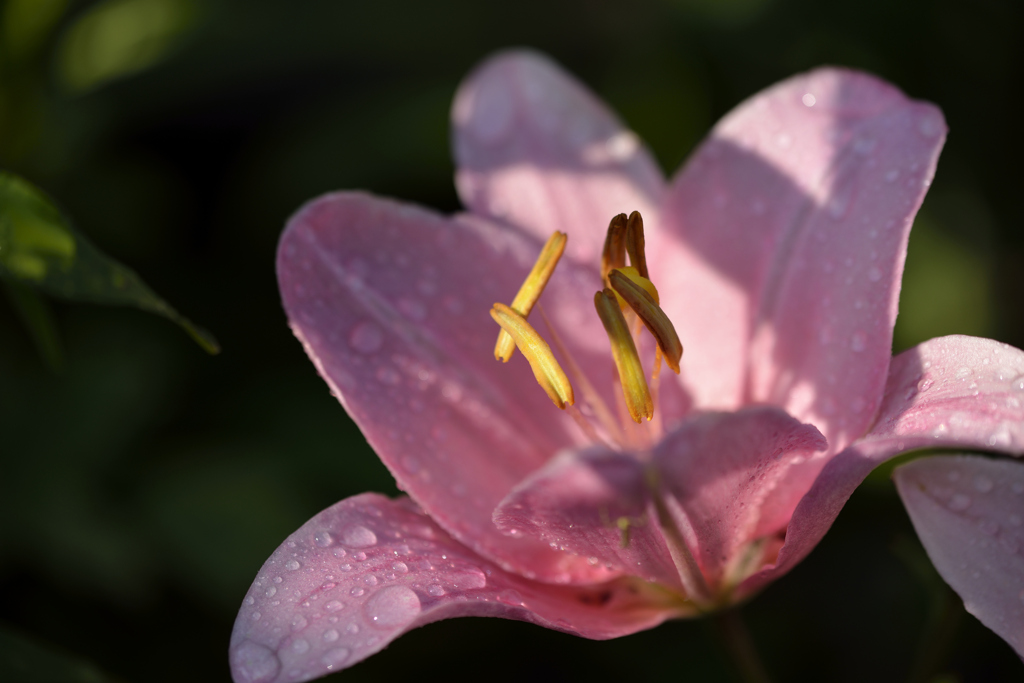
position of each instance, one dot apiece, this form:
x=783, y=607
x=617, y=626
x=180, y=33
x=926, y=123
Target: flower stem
x=736, y=638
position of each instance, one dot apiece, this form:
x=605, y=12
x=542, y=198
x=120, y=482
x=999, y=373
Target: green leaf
x=35, y=312
x=39, y=247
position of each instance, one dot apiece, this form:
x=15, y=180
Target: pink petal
x=968, y=512
x=536, y=149
x=722, y=467
x=368, y=569
x=949, y=392
x=391, y=302
x=793, y=219
x=576, y=502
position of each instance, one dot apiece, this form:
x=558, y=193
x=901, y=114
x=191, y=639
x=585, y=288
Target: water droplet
x=988, y=527
x=352, y=629
x=359, y=556
x=256, y=616
x=983, y=484
x=435, y=590
x=366, y=337
x=808, y=99
x=414, y=310
x=345, y=567
x=858, y=342
x=929, y=125
x=959, y=502
x=250, y=600
x=323, y=539
x=963, y=372
x=300, y=646
x=359, y=537
x=370, y=580
x=925, y=384
x=335, y=658
x=874, y=274
x=292, y=565
x=299, y=623
x=892, y=175
x=1017, y=383
x=330, y=635
x=357, y=591
x=388, y=375
x=254, y=663
x=271, y=592
x=400, y=567
x=334, y=606
x=392, y=607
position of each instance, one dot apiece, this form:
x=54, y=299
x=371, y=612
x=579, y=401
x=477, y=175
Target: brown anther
x=531, y=290
x=653, y=317
x=614, y=254
x=631, y=372
x=635, y=243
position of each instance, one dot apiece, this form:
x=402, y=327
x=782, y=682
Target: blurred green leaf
x=36, y=314
x=39, y=247
x=28, y=661
x=26, y=23
x=119, y=37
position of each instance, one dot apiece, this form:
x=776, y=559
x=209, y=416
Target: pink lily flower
x=778, y=252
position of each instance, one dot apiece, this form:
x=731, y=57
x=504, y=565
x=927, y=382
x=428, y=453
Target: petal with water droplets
x=391, y=303
x=535, y=148
x=792, y=245
x=315, y=609
x=722, y=469
x=967, y=511
x=949, y=392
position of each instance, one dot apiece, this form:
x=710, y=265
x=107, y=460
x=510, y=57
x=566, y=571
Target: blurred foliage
x=39, y=247
x=143, y=487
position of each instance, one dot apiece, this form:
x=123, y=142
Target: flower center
x=627, y=305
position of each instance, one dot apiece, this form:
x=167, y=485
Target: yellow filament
x=635, y=243
x=546, y=369
x=531, y=290
x=627, y=361
x=648, y=310
x=614, y=254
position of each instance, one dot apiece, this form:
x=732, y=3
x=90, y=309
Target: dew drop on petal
x=858, y=342
x=330, y=635
x=254, y=663
x=366, y=337
x=271, y=592
x=292, y=565
x=335, y=658
x=959, y=502
x=300, y=646
x=435, y=590
x=334, y=606
x=323, y=539
x=299, y=623
x=359, y=537
x=392, y=607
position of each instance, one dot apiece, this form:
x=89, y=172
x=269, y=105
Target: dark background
x=144, y=483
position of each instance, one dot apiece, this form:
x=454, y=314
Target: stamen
x=627, y=361
x=635, y=243
x=546, y=369
x=614, y=254
x=648, y=310
x=531, y=290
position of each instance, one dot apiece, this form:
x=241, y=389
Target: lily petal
x=968, y=512
x=536, y=149
x=391, y=303
x=949, y=392
x=595, y=503
x=721, y=467
x=368, y=569
x=793, y=220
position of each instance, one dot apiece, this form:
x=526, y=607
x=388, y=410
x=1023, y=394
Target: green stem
x=734, y=634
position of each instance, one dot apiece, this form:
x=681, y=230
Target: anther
x=635, y=243
x=647, y=309
x=627, y=361
x=614, y=254
x=531, y=290
x=545, y=368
